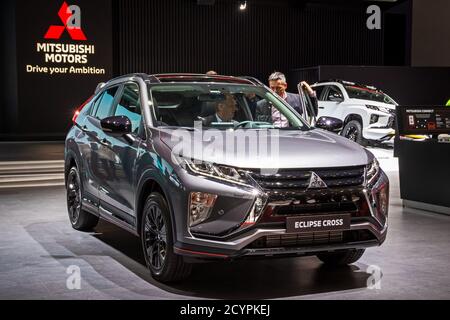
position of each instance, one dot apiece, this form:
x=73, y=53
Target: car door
x=93, y=158
x=117, y=191
x=307, y=106
x=331, y=98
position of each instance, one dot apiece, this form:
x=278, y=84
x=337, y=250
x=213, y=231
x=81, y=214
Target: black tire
x=341, y=258
x=353, y=131
x=157, y=242
x=79, y=218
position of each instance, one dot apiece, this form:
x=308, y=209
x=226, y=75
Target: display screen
x=423, y=120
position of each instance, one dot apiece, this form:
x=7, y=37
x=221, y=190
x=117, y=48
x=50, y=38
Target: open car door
x=306, y=105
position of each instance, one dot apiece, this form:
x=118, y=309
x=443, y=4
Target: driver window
x=333, y=94
x=130, y=106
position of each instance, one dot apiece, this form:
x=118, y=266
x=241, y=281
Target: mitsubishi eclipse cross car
x=207, y=168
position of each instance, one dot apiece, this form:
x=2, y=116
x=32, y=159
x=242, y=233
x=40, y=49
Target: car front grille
x=300, y=178
x=316, y=208
x=311, y=239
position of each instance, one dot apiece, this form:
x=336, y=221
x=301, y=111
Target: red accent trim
x=364, y=89
x=202, y=253
x=75, y=116
x=77, y=112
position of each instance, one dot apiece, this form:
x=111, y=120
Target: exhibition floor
x=38, y=245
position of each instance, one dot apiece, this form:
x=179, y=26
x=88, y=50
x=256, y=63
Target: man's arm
x=313, y=97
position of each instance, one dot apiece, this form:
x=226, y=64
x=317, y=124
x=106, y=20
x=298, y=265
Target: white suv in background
x=368, y=113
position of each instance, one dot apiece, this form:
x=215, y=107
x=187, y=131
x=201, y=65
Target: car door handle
x=105, y=142
x=321, y=107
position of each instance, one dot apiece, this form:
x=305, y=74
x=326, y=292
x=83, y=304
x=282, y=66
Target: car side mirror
x=116, y=125
x=329, y=123
x=336, y=98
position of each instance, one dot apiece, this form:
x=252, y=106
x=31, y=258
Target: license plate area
x=332, y=222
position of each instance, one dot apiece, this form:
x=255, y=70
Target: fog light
x=255, y=212
x=373, y=118
x=200, y=207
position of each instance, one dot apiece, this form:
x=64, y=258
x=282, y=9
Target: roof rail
x=199, y=77
x=143, y=76
x=99, y=87
x=336, y=80
x=350, y=83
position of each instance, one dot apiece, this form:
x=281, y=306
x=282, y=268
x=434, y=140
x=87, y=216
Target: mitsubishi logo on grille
x=315, y=182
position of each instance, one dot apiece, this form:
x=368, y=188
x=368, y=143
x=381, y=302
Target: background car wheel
x=353, y=131
x=79, y=218
x=157, y=242
x=341, y=258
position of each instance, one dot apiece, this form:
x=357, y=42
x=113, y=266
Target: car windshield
x=355, y=92
x=221, y=106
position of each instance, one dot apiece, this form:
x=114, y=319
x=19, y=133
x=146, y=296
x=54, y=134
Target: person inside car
x=225, y=111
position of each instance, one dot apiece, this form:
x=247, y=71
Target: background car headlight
x=200, y=207
x=377, y=108
x=372, y=171
x=216, y=171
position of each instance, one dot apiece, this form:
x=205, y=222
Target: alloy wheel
x=155, y=237
x=352, y=133
x=73, y=197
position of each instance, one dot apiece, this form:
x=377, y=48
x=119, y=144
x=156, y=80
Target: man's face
x=278, y=86
x=227, y=108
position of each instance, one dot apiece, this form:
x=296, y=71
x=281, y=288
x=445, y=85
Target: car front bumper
x=378, y=134
x=242, y=244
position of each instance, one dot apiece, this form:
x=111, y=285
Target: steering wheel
x=243, y=124
x=254, y=124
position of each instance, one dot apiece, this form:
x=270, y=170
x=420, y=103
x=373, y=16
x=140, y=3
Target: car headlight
x=215, y=171
x=372, y=171
x=377, y=108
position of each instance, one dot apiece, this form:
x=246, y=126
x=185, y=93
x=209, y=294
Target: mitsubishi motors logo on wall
x=65, y=56
x=71, y=18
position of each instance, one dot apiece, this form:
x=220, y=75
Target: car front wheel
x=353, y=131
x=79, y=218
x=157, y=242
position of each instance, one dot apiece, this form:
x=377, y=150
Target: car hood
x=314, y=148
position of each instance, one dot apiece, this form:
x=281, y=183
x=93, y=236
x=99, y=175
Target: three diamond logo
x=315, y=182
x=71, y=18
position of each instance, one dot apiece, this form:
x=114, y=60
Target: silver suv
x=219, y=168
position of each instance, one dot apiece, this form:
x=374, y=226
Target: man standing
x=278, y=84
